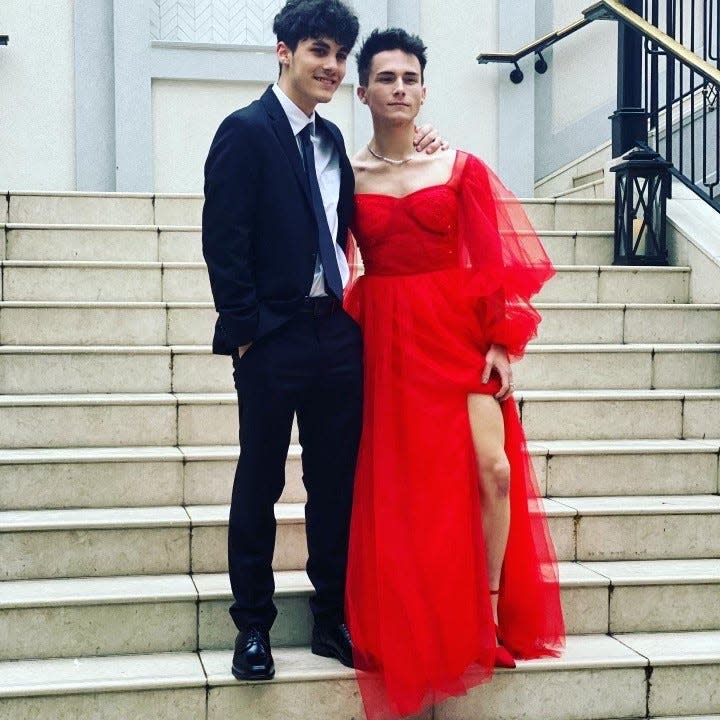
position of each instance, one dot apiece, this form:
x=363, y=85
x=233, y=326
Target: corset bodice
x=415, y=233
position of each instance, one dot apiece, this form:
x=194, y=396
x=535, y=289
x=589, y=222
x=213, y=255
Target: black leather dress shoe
x=333, y=640
x=253, y=659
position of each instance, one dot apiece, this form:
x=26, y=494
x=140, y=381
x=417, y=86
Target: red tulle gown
x=449, y=269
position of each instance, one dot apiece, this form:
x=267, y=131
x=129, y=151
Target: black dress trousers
x=312, y=366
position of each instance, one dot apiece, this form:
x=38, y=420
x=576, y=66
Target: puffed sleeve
x=505, y=260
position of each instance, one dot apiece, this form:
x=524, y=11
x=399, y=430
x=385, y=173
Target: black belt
x=322, y=305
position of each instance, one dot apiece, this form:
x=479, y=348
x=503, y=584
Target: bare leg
x=488, y=431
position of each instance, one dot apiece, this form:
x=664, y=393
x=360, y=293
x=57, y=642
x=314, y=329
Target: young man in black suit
x=278, y=199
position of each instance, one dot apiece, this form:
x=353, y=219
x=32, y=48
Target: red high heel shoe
x=503, y=658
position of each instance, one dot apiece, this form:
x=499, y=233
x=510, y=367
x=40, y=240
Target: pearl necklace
x=392, y=161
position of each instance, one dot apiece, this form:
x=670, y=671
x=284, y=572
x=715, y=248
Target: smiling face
x=395, y=90
x=313, y=71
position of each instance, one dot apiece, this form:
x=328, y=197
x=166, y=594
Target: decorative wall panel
x=214, y=22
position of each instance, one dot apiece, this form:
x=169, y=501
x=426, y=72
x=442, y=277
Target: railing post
x=629, y=121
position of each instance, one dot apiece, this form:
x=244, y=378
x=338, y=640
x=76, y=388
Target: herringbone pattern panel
x=236, y=22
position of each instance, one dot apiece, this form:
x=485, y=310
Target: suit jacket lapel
x=284, y=134
x=334, y=132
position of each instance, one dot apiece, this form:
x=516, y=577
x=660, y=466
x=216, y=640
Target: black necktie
x=328, y=258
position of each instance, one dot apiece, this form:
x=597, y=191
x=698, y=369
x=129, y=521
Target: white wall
x=462, y=95
x=186, y=115
x=582, y=81
x=461, y=98
x=37, y=123
x=574, y=98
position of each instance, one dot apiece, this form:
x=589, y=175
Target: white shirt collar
x=298, y=119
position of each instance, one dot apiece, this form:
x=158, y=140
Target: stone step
x=58, y=421
x=188, y=282
x=684, y=671
x=588, y=177
x=186, y=369
x=615, y=675
x=58, y=478
x=101, y=208
x=609, y=283
x=174, y=613
x=161, y=419
x=90, y=369
x=173, y=539
x=186, y=210
x=164, y=686
x=576, y=468
x=114, y=243
x=98, y=616
x=662, y=595
x=94, y=542
x=628, y=323
x=177, y=243
x=105, y=281
x=648, y=596
x=644, y=527
x=157, y=323
x=93, y=323
x=592, y=528
x=590, y=189
x=596, y=366
x=61, y=478
x=620, y=414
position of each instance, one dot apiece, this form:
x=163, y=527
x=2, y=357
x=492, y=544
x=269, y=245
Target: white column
x=94, y=95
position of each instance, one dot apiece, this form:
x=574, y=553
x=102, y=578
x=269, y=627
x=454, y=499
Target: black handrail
x=609, y=10
x=536, y=47
x=613, y=10
x=655, y=69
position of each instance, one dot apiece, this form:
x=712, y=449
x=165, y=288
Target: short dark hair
x=391, y=39
x=302, y=19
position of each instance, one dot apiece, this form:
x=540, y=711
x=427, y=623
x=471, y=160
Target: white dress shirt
x=327, y=168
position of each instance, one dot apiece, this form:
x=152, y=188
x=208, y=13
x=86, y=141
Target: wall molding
x=120, y=51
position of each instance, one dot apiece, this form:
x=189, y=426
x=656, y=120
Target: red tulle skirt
x=417, y=601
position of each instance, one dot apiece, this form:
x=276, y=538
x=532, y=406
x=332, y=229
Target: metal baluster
x=716, y=114
x=669, y=85
x=654, y=79
x=681, y=102
x=692, y=94
x=704, y=133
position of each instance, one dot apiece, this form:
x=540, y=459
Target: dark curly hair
x=302, y=19
x=391, y=39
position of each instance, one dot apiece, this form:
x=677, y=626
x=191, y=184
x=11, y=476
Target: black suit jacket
x=259, y=234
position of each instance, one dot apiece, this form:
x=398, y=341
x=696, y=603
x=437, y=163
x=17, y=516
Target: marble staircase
x=118, y=432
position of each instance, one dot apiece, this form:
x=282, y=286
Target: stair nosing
x=123, y=518
x=205, y=453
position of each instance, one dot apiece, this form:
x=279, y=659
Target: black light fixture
x=642, y=186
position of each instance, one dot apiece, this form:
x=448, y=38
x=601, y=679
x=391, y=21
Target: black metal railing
x=683, y=105
x=668, y=82
x=537, y=47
